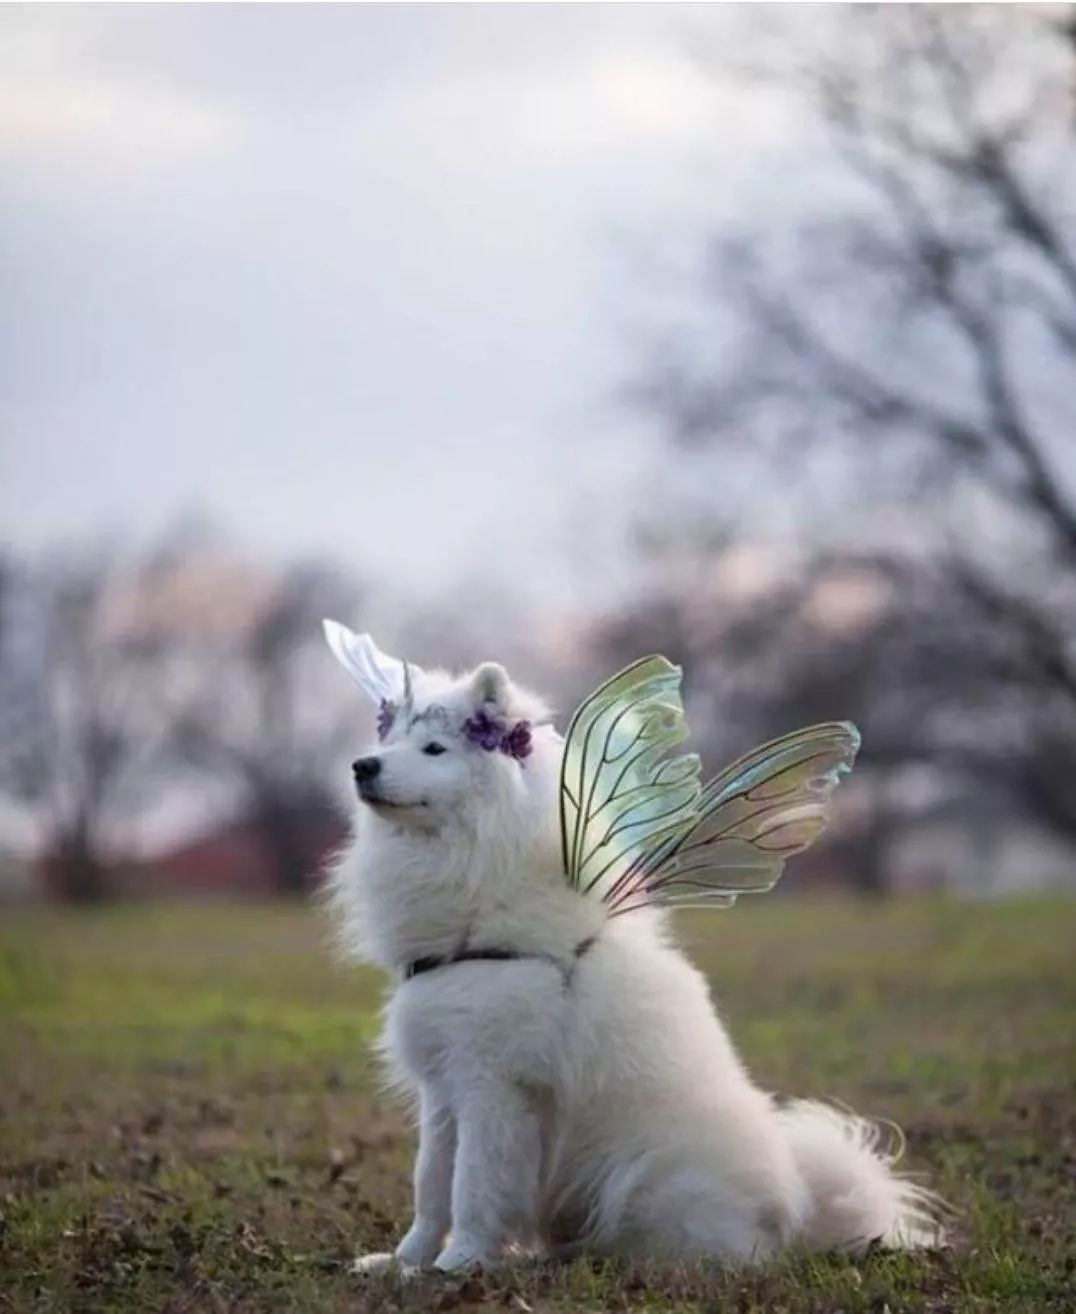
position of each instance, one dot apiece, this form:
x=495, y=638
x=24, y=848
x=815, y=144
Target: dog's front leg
x=433, y=1192
x=433, y=1182
x=495, y=1182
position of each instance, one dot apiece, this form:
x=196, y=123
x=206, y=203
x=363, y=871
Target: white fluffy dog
x=576, y=1090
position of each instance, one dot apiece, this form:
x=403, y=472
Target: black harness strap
x=420, y=965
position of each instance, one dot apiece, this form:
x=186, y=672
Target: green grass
x=189, y=1119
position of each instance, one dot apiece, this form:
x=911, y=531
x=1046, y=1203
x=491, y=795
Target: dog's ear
x=377, y=674
x=490, y=686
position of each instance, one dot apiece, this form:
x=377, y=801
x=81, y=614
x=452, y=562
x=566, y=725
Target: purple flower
x=484, y=730
x=517, y=742
x=492, y=733
x=385, y=716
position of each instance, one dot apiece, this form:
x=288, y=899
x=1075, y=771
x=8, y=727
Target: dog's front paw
x=461, y=1257
x=419, y=1246
x=373, y=1265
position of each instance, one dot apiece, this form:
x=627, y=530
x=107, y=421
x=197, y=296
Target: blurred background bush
x=551, y=334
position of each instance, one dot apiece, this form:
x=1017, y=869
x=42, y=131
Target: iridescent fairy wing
x=770, y=804
x=619, y=794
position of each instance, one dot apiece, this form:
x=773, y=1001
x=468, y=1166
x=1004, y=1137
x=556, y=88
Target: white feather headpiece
x=381, y=678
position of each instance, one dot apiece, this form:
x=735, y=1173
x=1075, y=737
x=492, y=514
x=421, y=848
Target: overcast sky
x=352, y=279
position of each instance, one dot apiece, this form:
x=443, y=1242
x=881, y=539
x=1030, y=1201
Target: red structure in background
x=233, y=860
x=229, y=861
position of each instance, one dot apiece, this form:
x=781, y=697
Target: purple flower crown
x=492, y=733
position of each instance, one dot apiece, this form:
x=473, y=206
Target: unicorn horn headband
x=407, y=706
x=389, y=682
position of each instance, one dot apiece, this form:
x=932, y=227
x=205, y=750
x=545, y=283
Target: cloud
x=618, y=99
x=50, y=113
x=332, y=272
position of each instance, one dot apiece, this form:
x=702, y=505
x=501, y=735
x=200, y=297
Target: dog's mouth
x=368, y=793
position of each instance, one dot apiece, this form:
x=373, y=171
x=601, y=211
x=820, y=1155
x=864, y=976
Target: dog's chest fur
x=467, y=1022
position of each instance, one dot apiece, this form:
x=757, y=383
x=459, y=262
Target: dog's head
x=450, y=750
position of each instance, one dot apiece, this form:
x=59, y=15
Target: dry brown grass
x=189, y=1121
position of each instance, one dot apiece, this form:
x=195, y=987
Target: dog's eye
x=434, y=750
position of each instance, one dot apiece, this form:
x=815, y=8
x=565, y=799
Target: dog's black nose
x=366, y=768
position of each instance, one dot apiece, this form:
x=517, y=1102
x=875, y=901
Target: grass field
x=189, y=1121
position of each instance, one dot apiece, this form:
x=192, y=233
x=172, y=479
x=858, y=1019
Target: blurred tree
x=910, y=331
x=262, y=717
x=183, y=671
x=82, y=732
x=934, y=305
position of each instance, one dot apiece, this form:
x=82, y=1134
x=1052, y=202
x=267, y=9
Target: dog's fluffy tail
x=856, y=1196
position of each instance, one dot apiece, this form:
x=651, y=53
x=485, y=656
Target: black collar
x=420, y=965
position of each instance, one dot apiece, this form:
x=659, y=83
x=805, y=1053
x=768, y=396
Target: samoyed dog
x=576, y=1091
